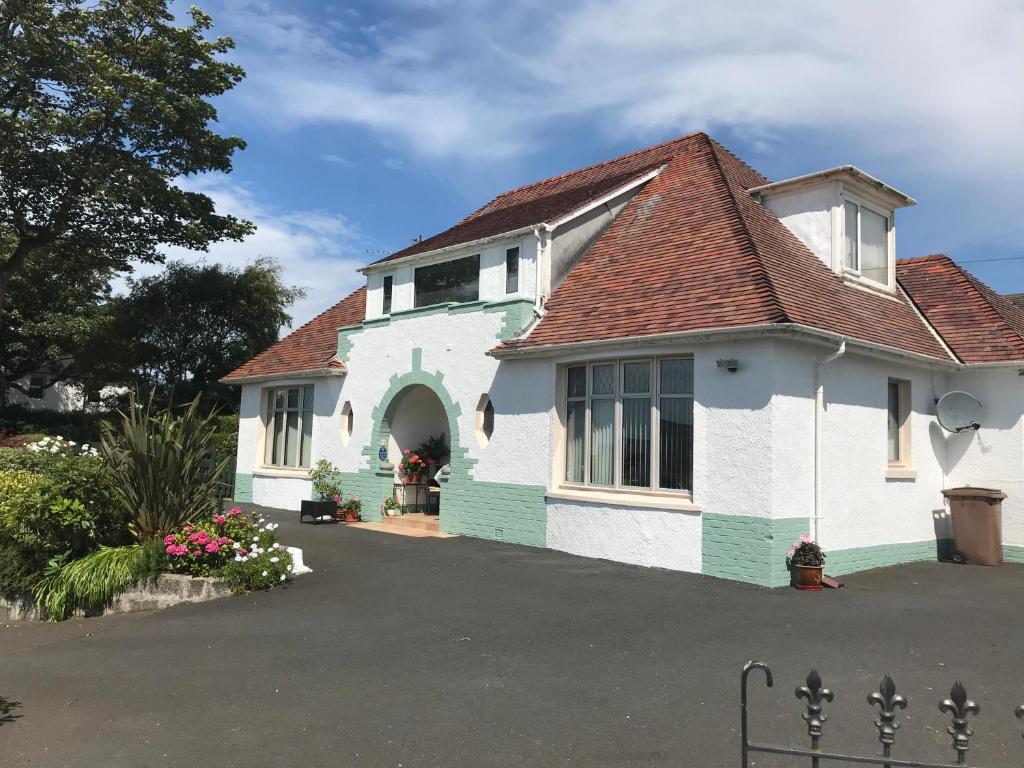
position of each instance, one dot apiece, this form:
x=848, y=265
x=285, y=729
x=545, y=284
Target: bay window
x=629, y=424
x=288, y=441
x=867, y=242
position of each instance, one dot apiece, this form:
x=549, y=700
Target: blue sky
x=370, y=123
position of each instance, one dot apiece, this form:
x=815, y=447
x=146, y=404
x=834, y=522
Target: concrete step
x=413, y=520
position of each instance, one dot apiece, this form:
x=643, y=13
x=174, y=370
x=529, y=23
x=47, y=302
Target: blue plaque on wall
x=382, y=453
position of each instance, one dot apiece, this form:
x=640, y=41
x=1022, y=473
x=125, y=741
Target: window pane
x=575, y=421
x=676, y=456
x=293, y=398
x=874, y=261
x=279, y=396
x=511, y=270
x=852, y=260
x=603, y=379
x=636, y=378
x=279, y=438
x=636, y=441
x=894, y=421
x=457, y=280
x=389, y=282
x=602, y=427
x=307, y=438
x=268, y=438
x=577, y=384
x=307, y=398
x=291, y=444
x=677, y=377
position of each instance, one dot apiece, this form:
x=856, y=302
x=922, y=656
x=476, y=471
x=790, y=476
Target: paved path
x=459, y=652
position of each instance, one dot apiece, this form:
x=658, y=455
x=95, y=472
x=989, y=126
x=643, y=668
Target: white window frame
x=904, y=459
x=617, y=449
x=270, y=410
x=885, y=213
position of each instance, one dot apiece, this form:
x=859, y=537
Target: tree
x=180, y=331
x=103, y=106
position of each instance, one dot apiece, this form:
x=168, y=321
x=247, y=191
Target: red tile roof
x=547, y=200
x=978, y=324
x=311, y=347
x=693, y=251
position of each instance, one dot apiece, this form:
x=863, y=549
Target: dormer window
x=867, y=242
x=449, y=281
x=389, y=286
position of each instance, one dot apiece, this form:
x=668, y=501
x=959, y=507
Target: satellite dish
x=959, y=411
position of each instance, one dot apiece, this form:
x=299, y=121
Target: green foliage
x=436, y=448
x=181, y=331
x=225, y=436
x=105, y=106
x=159, y=462
x=269, y=570
x=91, y=582
x=808, y=553
x=18, y=573
x=17, y=488
x=325, y=480
x=79, y=426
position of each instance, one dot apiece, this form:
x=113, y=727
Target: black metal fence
x=959, y=708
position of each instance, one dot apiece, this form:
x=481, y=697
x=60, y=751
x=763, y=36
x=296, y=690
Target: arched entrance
x=418, y=424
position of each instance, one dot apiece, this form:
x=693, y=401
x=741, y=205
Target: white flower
x=288, y=567
x=274, y=559
x=238, y=558
x=54, y=449
x=282, y=577
x=255, y=538
x=264, y=573
x=72, y=442
x=236, y=545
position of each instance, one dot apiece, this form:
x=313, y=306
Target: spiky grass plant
x=160, y=462
x=91, y=582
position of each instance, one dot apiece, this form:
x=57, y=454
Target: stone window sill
x=900, y=472
x=265, y=471
x=614, y=497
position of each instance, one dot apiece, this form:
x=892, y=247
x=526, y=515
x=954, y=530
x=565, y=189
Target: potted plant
x=390, y=507
x=806, y=560
x=412, y=467
x=434, y=450
x=326, y=489
x=350, y=508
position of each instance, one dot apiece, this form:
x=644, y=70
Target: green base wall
x=750, y=549
x=843, y=561
x=243, y=487
x=1013, y=554
x=499, y=511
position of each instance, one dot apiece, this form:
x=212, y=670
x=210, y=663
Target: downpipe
x=819, y=420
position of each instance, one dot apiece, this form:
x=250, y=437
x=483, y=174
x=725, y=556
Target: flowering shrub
x=350, y=507
x=390, y=502
x=58, y=445
x=806, y=552
x=412, y=464
x=325, y=484
x=242, y=548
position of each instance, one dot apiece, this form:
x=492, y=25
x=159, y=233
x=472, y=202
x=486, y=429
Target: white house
x=662, y=359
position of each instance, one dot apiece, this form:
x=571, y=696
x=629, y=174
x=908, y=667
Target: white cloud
x=318, y=250
x=337, y=160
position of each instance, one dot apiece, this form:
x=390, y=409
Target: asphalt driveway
x=460, y=652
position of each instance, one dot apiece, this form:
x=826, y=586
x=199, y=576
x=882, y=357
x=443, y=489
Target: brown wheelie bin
x=977, y=523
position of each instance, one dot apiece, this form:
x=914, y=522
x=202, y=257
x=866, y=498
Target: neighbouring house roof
x=694, y=251
x=310, y=348
x=547, y=200
x=1016, y=298
x=978, y=324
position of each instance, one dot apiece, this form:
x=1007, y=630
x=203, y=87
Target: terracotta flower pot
x=411, y=479
x=807, y=577
x=351, y=516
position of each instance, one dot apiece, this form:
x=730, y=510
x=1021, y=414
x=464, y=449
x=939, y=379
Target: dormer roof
x=849, y=173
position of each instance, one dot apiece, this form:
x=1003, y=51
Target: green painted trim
x=854, y=559
x=374, y=322
x=750, y=549
x=1013, y=553
x=518, y=313
x=243, y=487
x=468, y=306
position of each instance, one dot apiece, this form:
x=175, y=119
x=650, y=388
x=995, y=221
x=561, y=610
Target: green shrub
x=91, y=582
x=17, y=489
x=79, y=426
x=159, y=461
x=18, y=573
x=225, y=436
x=20, y=458
x=271, y=568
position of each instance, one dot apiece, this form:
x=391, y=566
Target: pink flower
x=213, y=546
x=219, y=519
x=792, y=551
x=223, y=540
x=177, y=550
x=193, y=538
x=406, y=451
x=187, y=528
x=169, y=538
x=197, y=552
x=804, y=538
x=234, y=512
x=243, y=551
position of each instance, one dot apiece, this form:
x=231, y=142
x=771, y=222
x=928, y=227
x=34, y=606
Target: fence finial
x=888, y=702
x=816, y=695
x=960, y=707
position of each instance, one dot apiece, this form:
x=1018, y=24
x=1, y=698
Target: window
x=898, y=436
x=629, y=424
x=36, y=386
x=389, y=283
x=288, y=441
x=867, y=242
x=512, y=270
x=347, y=422
x=484, y=420
x=457, y=281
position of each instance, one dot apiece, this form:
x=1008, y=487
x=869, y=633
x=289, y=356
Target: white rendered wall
x=993, y=457
x=571, y=240
x=861, y=505
x=492, y=276
x=807, y=212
